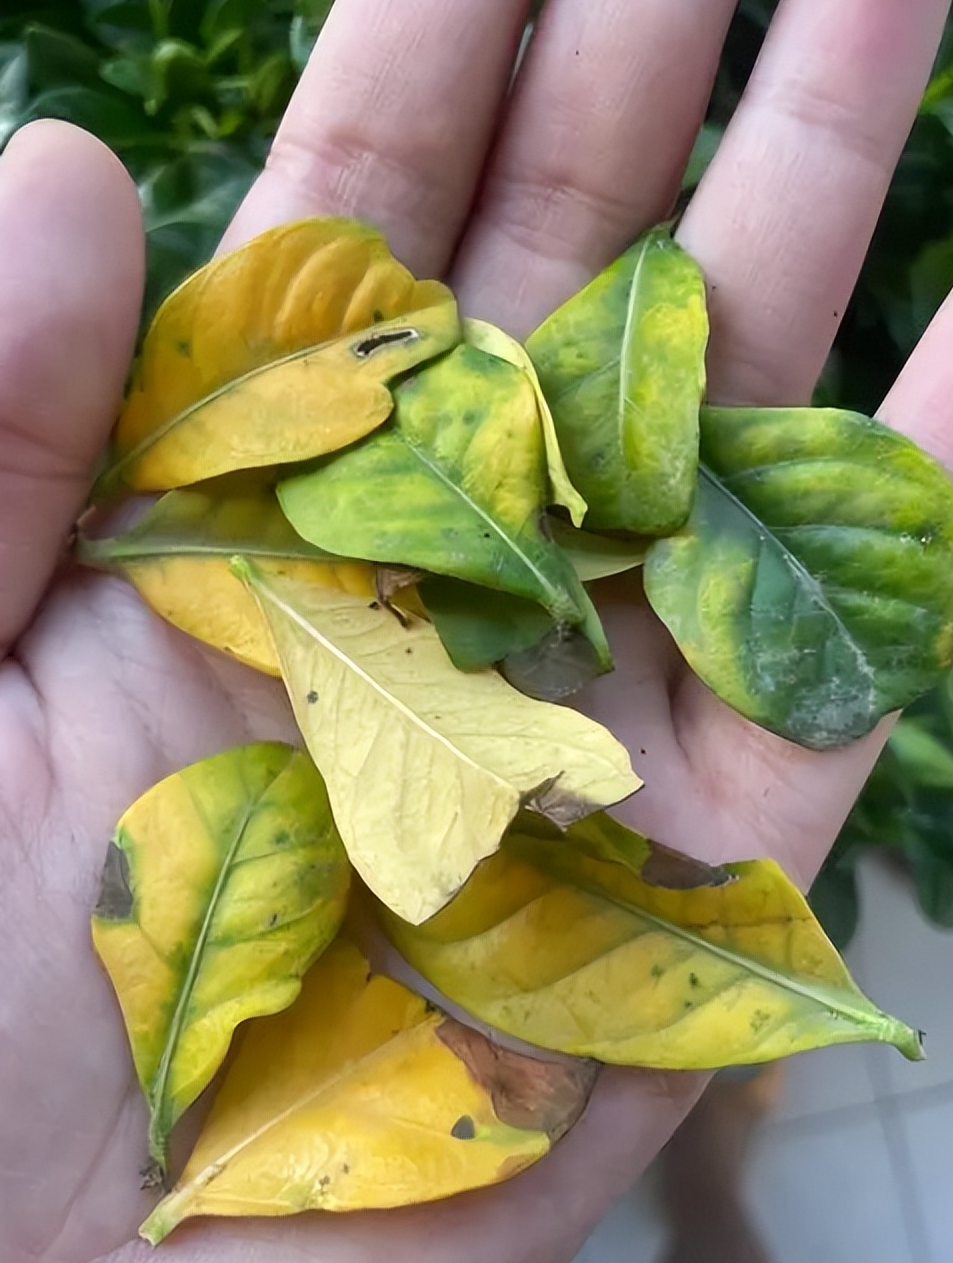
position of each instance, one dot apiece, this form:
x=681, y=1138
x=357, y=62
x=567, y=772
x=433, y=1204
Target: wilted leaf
x=222, y=884
x=361, y=1096
x=425, y=765
x=812, y=588
x=541, y=658
x=622, y=364
x=560, y=941
x=178, y=557
x=275, y=353
x=456, y=485
x=494, y=341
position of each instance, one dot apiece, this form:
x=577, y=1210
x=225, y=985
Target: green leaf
x=622, y=364
x=600, y=943
x=812, y=588
x=456, y=485
x=541, y=658
x=222, y=885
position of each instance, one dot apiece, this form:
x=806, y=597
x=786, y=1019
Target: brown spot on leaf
x=364, y=349
x=115, y=899
x=312, y=697
x=673, y=871
x=533, y=1095
x=464, y=1128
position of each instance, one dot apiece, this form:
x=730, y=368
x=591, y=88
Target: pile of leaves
x=397, y=512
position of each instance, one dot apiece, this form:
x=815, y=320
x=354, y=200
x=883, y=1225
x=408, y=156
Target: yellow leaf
x=360, y=1096
x=602, y=944
x=222, y=884
x=425, y=765
x=177, y=556
x=275, y=353
x=494, y=341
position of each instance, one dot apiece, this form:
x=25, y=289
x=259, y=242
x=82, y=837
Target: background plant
x=189, y=92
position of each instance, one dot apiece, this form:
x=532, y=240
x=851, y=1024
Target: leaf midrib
x=157, y=1095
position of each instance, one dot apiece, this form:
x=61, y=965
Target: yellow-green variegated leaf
x=456, y=485
x=494, y=341
x=178, y=554
x=812, y=586
x=222, y=884
x=425, y=765
x=622, y=364
x=600, y=943
x=363, y=1096
x=275, y=353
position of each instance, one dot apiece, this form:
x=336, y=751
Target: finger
x=71, y=269
x=920, y=402
x=595, y=143
x=784, y=216
x=390, y=122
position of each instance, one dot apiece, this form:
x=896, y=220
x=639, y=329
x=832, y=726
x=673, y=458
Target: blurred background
x=189, y=92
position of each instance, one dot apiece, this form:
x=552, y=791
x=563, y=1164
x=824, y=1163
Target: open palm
x=405, y=118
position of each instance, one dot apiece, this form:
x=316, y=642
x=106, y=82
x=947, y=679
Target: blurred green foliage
x=189, y=92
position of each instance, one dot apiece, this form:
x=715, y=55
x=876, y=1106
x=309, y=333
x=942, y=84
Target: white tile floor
x=856, y=1166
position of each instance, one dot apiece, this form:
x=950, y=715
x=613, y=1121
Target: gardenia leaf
x=275, y=353
x=494, y=341
x=600, y=943
x=222, y=884
x=425, y=765
x=178, y=558
x=812, y=588
x=363, y=1096
x=456, y=485
x=597, y=556
x=541, y=658
x=622, y=364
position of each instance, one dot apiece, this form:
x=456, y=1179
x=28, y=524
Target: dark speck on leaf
x=693, y=980
x=366, y=348
x=408, y=650
x=115, y=893
x=463, y=1128
x=312, y=697
x=272, y=920
x=183, y=346
x=374, y=605
x=656, y=971
x=345, y=1169
x=324, y=1181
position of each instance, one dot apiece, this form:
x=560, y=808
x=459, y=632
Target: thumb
x=71, y=274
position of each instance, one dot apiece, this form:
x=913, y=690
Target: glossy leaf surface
x=622, y=364
x=221, y=886
x=494, y=341
x=425, y=765
x=178, y=558
x=362, y=1095
x=812, y=588
x=275, y=353
x=456, y=485
x=600, y=943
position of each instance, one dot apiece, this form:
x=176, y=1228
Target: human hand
x=393, y=122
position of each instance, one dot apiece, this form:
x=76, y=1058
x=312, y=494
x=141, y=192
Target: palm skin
x=399, y=120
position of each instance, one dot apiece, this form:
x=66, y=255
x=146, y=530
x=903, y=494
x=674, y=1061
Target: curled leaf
x=362, y=1095
x=812, y=587
x=275, y=353
x=455, y=485
x=425, y=765
x=178, y=555
x=221, y=886
x=561, y=941
x=622, y=364
x=494, y=341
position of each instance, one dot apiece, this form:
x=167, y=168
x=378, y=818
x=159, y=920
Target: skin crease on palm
x=405, y=118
